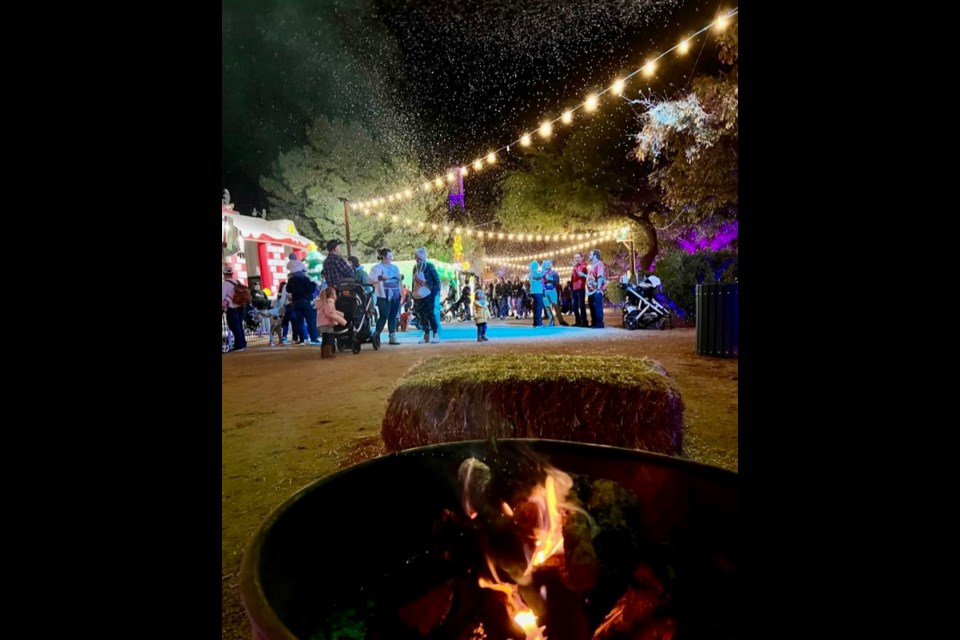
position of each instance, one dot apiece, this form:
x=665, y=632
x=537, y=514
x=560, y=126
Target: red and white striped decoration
x=239, y=268
x=277, y=264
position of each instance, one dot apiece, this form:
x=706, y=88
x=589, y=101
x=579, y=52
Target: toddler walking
x=481, y=313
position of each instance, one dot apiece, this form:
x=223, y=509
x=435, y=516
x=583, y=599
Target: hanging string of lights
x=517, y=266
x=590, y=104
x=554, y=252
x=498, y=235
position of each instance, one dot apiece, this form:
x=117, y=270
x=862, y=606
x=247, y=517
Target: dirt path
x=289, y=418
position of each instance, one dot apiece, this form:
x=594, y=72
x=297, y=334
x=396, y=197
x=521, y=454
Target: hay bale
x=618, y=401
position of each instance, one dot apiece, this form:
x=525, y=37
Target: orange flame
x=549, y=499
x=517, y=608
x=549, y=533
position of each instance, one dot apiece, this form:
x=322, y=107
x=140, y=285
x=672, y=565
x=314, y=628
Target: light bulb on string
x=546, y=129
x=591, y=102
x=525, y=140
x=617, y=86
x=684, y=47
x=567, y=117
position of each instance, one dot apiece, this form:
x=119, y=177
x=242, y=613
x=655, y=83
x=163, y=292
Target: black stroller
x=356, y=303
x=640, y=309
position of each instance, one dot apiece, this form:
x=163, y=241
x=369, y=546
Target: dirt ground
x=289, y=418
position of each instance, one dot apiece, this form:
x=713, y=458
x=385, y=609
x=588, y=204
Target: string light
x=603, y=236
x=517, y=266
x=590, y=104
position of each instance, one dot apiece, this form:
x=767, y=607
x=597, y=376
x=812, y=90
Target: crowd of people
x=304, y=311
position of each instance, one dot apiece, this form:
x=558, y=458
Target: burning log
x=580, y=556
x=558, y=607
x=633, y=614
x=618, y=401
x=427, y=612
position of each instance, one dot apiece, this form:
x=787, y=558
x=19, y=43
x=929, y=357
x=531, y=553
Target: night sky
x=447, y=79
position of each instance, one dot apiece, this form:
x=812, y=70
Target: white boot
x=393, y=339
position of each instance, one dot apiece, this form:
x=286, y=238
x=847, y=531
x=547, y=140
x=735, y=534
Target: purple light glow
x=692, y=241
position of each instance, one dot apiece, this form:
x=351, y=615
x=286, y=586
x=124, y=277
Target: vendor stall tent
x=258, y=248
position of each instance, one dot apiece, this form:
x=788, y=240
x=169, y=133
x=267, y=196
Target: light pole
x=346, y=220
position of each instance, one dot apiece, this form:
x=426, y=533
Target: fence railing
x=259, y=334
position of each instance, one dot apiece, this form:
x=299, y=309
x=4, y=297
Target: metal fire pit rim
x=265, y=621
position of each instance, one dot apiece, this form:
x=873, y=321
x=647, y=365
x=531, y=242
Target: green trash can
x=718, y=320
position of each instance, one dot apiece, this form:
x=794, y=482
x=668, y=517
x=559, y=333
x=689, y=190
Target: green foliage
x=681, y=272
x=692, y=142
x=342, y=159
x=578, y=182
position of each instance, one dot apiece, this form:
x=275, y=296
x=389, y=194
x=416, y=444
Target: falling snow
x=445, y=80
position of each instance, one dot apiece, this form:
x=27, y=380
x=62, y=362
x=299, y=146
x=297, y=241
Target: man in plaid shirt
x=336, y=270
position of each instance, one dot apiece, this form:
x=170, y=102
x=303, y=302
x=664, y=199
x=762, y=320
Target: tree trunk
x=649, y=232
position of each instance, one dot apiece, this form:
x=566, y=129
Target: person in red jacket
x=578, y=293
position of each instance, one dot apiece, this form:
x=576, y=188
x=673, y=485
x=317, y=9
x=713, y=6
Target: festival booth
x=257, y=249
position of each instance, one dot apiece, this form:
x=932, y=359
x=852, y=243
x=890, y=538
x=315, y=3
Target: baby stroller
x=356, y=303
x=640, y=308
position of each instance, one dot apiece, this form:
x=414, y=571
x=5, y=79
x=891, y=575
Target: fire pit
x=363, y=541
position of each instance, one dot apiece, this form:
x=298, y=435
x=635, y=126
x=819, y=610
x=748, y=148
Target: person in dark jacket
x=302, y=290
x=336, y=271
x=425, y=275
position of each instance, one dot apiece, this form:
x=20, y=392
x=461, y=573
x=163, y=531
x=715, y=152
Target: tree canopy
x=342, y=158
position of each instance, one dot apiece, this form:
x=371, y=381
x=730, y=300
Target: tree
x=588, y=183
x=346, y=159
x=692, y=143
